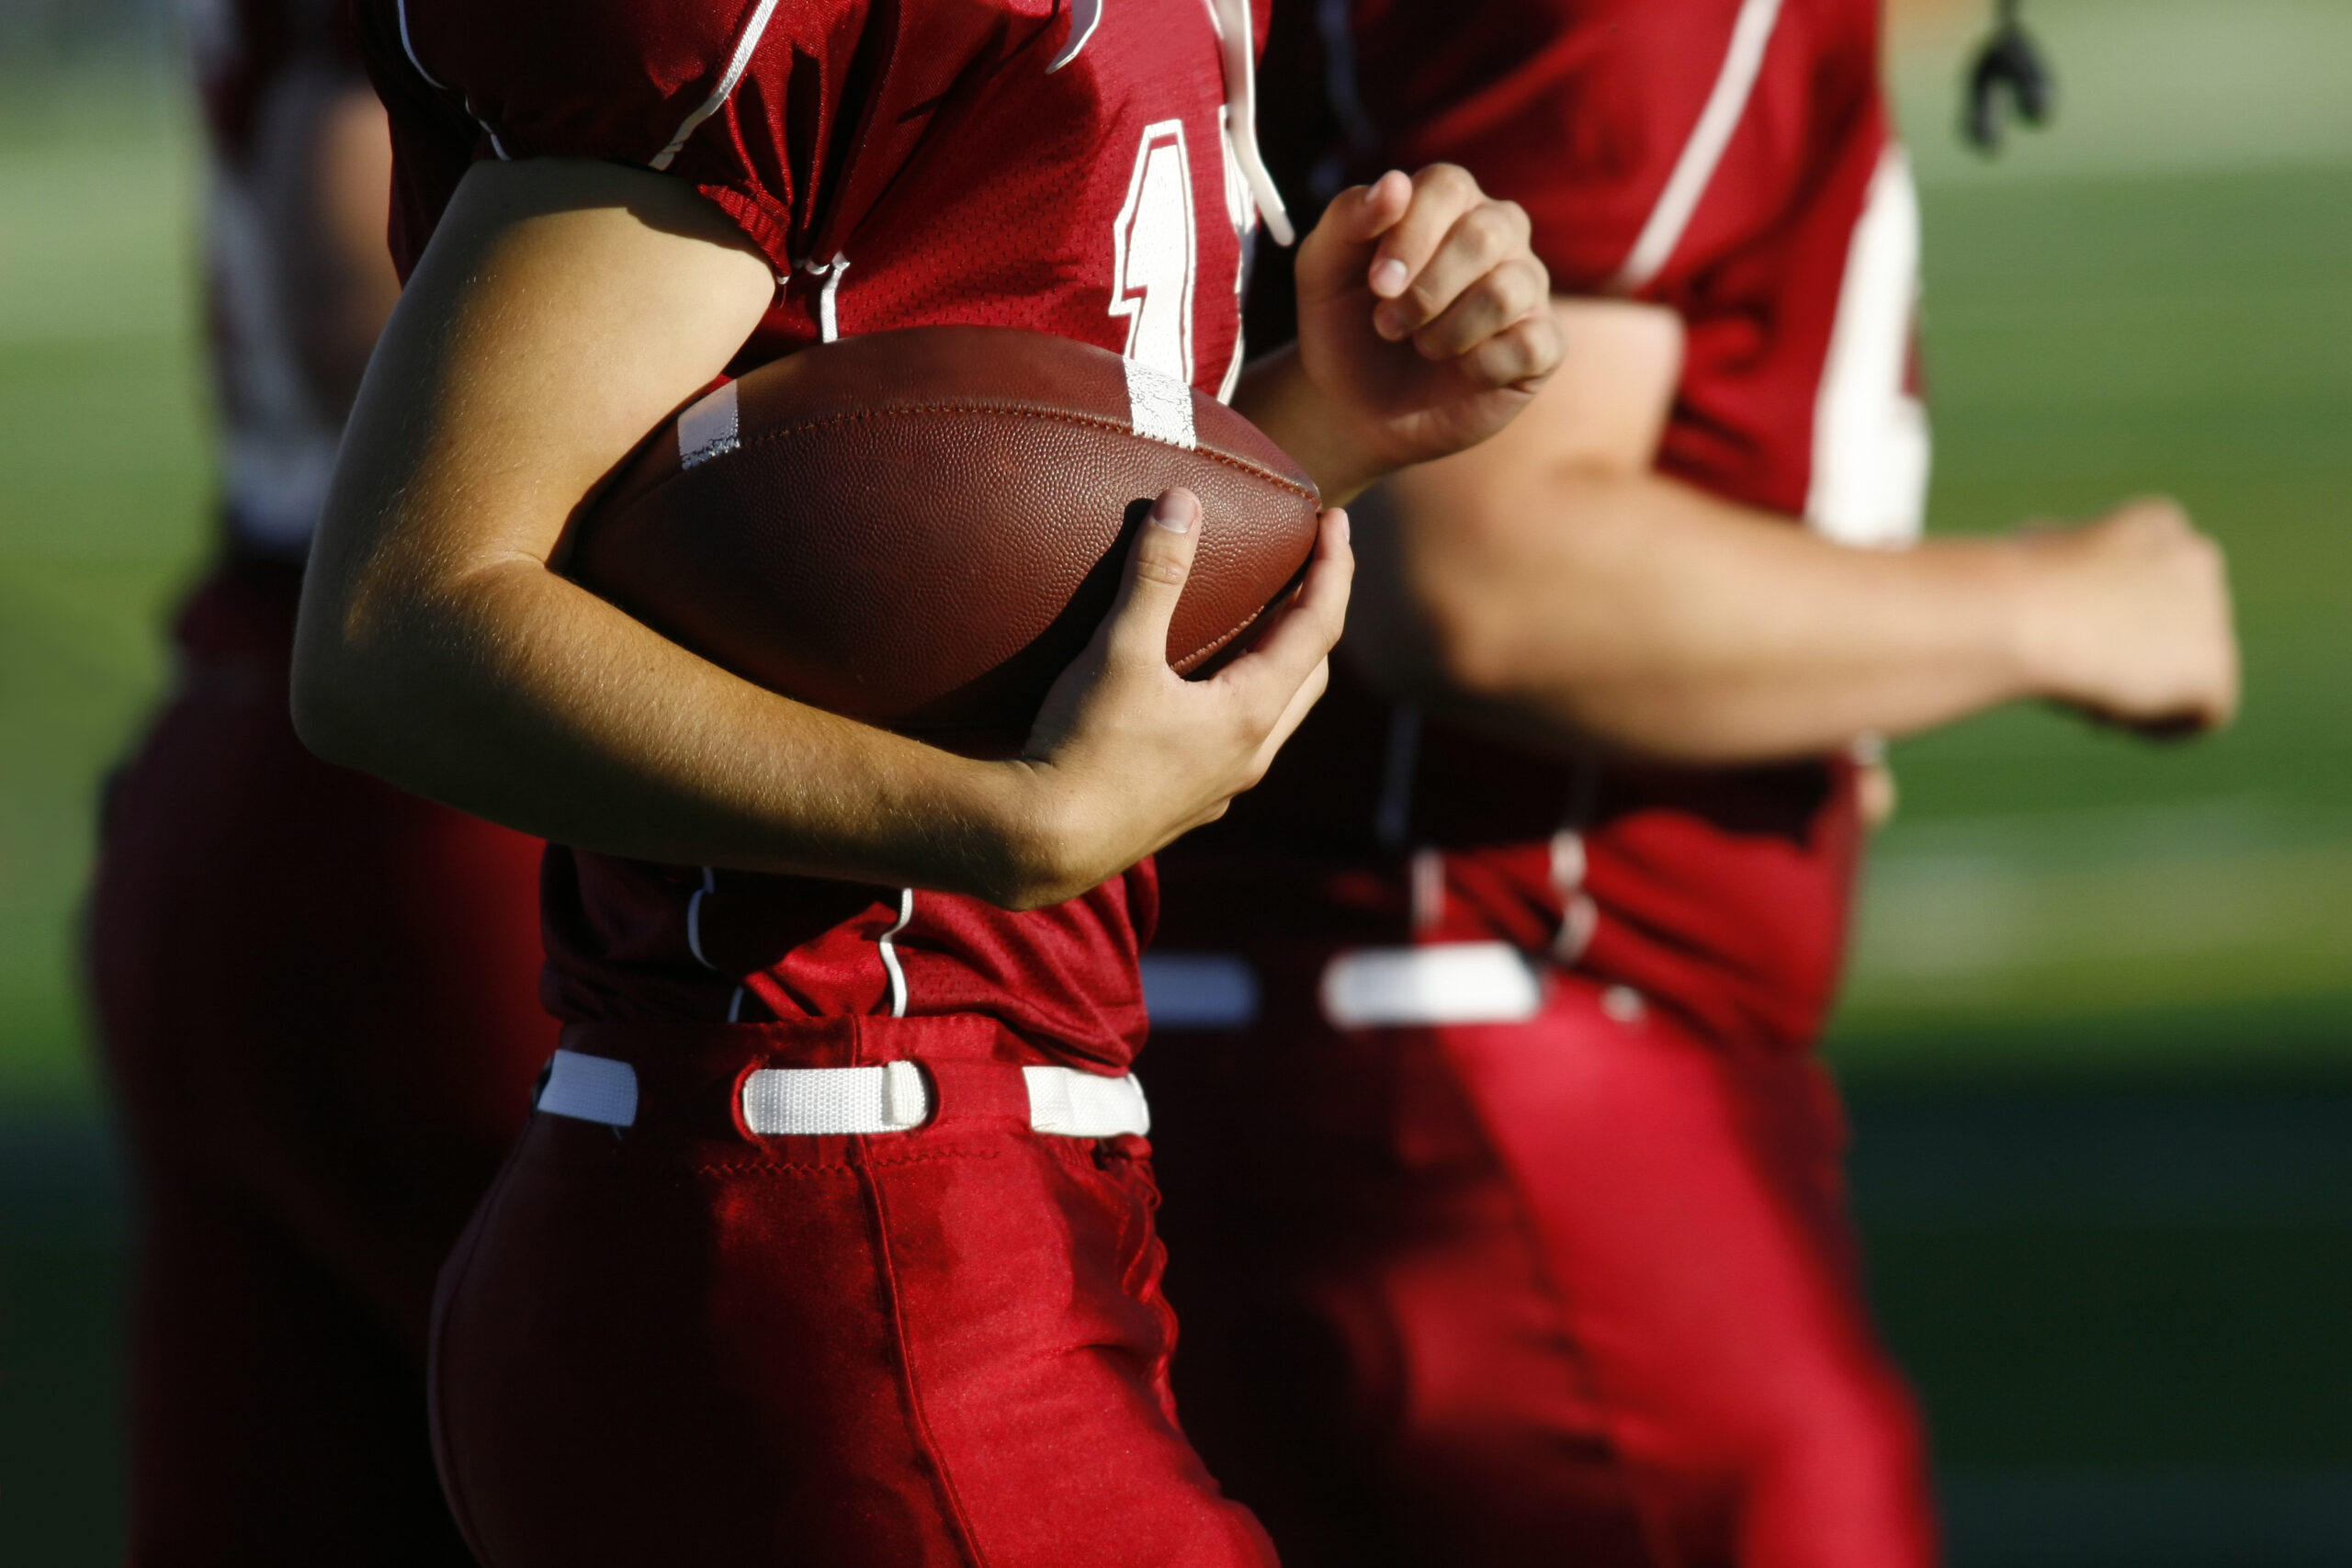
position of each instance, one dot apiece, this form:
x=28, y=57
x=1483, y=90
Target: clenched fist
x=2128, y=619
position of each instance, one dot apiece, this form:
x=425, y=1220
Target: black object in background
x=2009, y=67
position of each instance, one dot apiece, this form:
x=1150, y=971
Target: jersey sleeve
x=1714, y=157
x=738, y=97
x=1551, y=105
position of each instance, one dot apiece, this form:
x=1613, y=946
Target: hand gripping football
x=921, y=528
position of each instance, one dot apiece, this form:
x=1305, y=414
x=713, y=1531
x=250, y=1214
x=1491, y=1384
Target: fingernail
x=1389, y=322
x=1340, y=523
x=1175, y=512
x=1388, y=279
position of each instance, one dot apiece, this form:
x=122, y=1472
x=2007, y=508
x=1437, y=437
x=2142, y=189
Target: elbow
x=328, y=695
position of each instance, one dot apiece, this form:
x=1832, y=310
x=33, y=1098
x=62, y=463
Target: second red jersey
x=1732, y=160
x=1057, y=165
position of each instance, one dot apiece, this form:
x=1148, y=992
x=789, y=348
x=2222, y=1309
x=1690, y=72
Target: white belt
x=892, y=1098
x=1367, y=988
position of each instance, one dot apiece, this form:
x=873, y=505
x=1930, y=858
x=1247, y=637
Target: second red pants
x=1579, y=1290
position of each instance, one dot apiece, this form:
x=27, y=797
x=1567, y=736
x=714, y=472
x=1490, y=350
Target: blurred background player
x=318, y=994
x=799, y=1261
x=1509, y=1228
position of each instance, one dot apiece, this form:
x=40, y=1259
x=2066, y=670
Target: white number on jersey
x=1153, y=253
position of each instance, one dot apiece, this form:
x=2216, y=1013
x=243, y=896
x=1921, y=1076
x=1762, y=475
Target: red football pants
x=679, y=1342
x=1573, y=1291
x=318, y=1000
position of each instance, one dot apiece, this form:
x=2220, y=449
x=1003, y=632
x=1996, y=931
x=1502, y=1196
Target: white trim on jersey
x=277, y=448
x=410, y=49
x=1241, y=212
x=1085, y=16
x=1693, y=171
x=828, y=315
x=1870, y=433
x=693, y=916
x=888, y=944
x=1239, y=41
x=754, y=31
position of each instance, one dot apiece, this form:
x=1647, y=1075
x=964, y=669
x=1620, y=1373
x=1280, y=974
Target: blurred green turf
x=103, y=480
x=2088, y=340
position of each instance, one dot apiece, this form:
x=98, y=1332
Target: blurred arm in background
x=1551, y=583
x=299, y=273
x=323, y=164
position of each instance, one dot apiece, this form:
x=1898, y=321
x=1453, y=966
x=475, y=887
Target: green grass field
x=2100, y=1027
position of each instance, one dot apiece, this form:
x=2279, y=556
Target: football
x=921, y=528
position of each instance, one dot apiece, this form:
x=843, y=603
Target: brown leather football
x=921, y=528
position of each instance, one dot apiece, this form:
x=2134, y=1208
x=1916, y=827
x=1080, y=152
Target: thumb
x=1332, y=258
x=1159, y=562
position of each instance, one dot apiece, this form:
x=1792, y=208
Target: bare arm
x=326, y=162
x=1551, y=581
x=562, y=309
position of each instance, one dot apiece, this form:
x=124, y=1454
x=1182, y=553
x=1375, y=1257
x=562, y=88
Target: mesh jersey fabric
x=899, y=167
x=1722, y=894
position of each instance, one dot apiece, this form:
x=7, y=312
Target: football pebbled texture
x=921, y=528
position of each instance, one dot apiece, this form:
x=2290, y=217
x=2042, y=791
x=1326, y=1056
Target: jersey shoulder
x=617, y=79
x=1590, y=112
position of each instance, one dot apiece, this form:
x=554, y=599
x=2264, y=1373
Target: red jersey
x=254, y=59
x=1730, y=158
x=1058, y=167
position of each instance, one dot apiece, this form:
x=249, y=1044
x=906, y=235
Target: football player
x=1507, y=1224
x=316, y=993
x=831, y=1239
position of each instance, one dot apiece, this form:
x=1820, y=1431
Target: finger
x=1481, y=236
x=1442, y=193
x=1332, y=259
x=1309, y=626
x=1506, y=294
x=1158, y=564
x=1523, y=355
x=1362, y=213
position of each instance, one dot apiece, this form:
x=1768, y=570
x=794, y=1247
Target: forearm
x=324, y=164
x=1633, y=610
x=563, y=311
x=516, y=695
